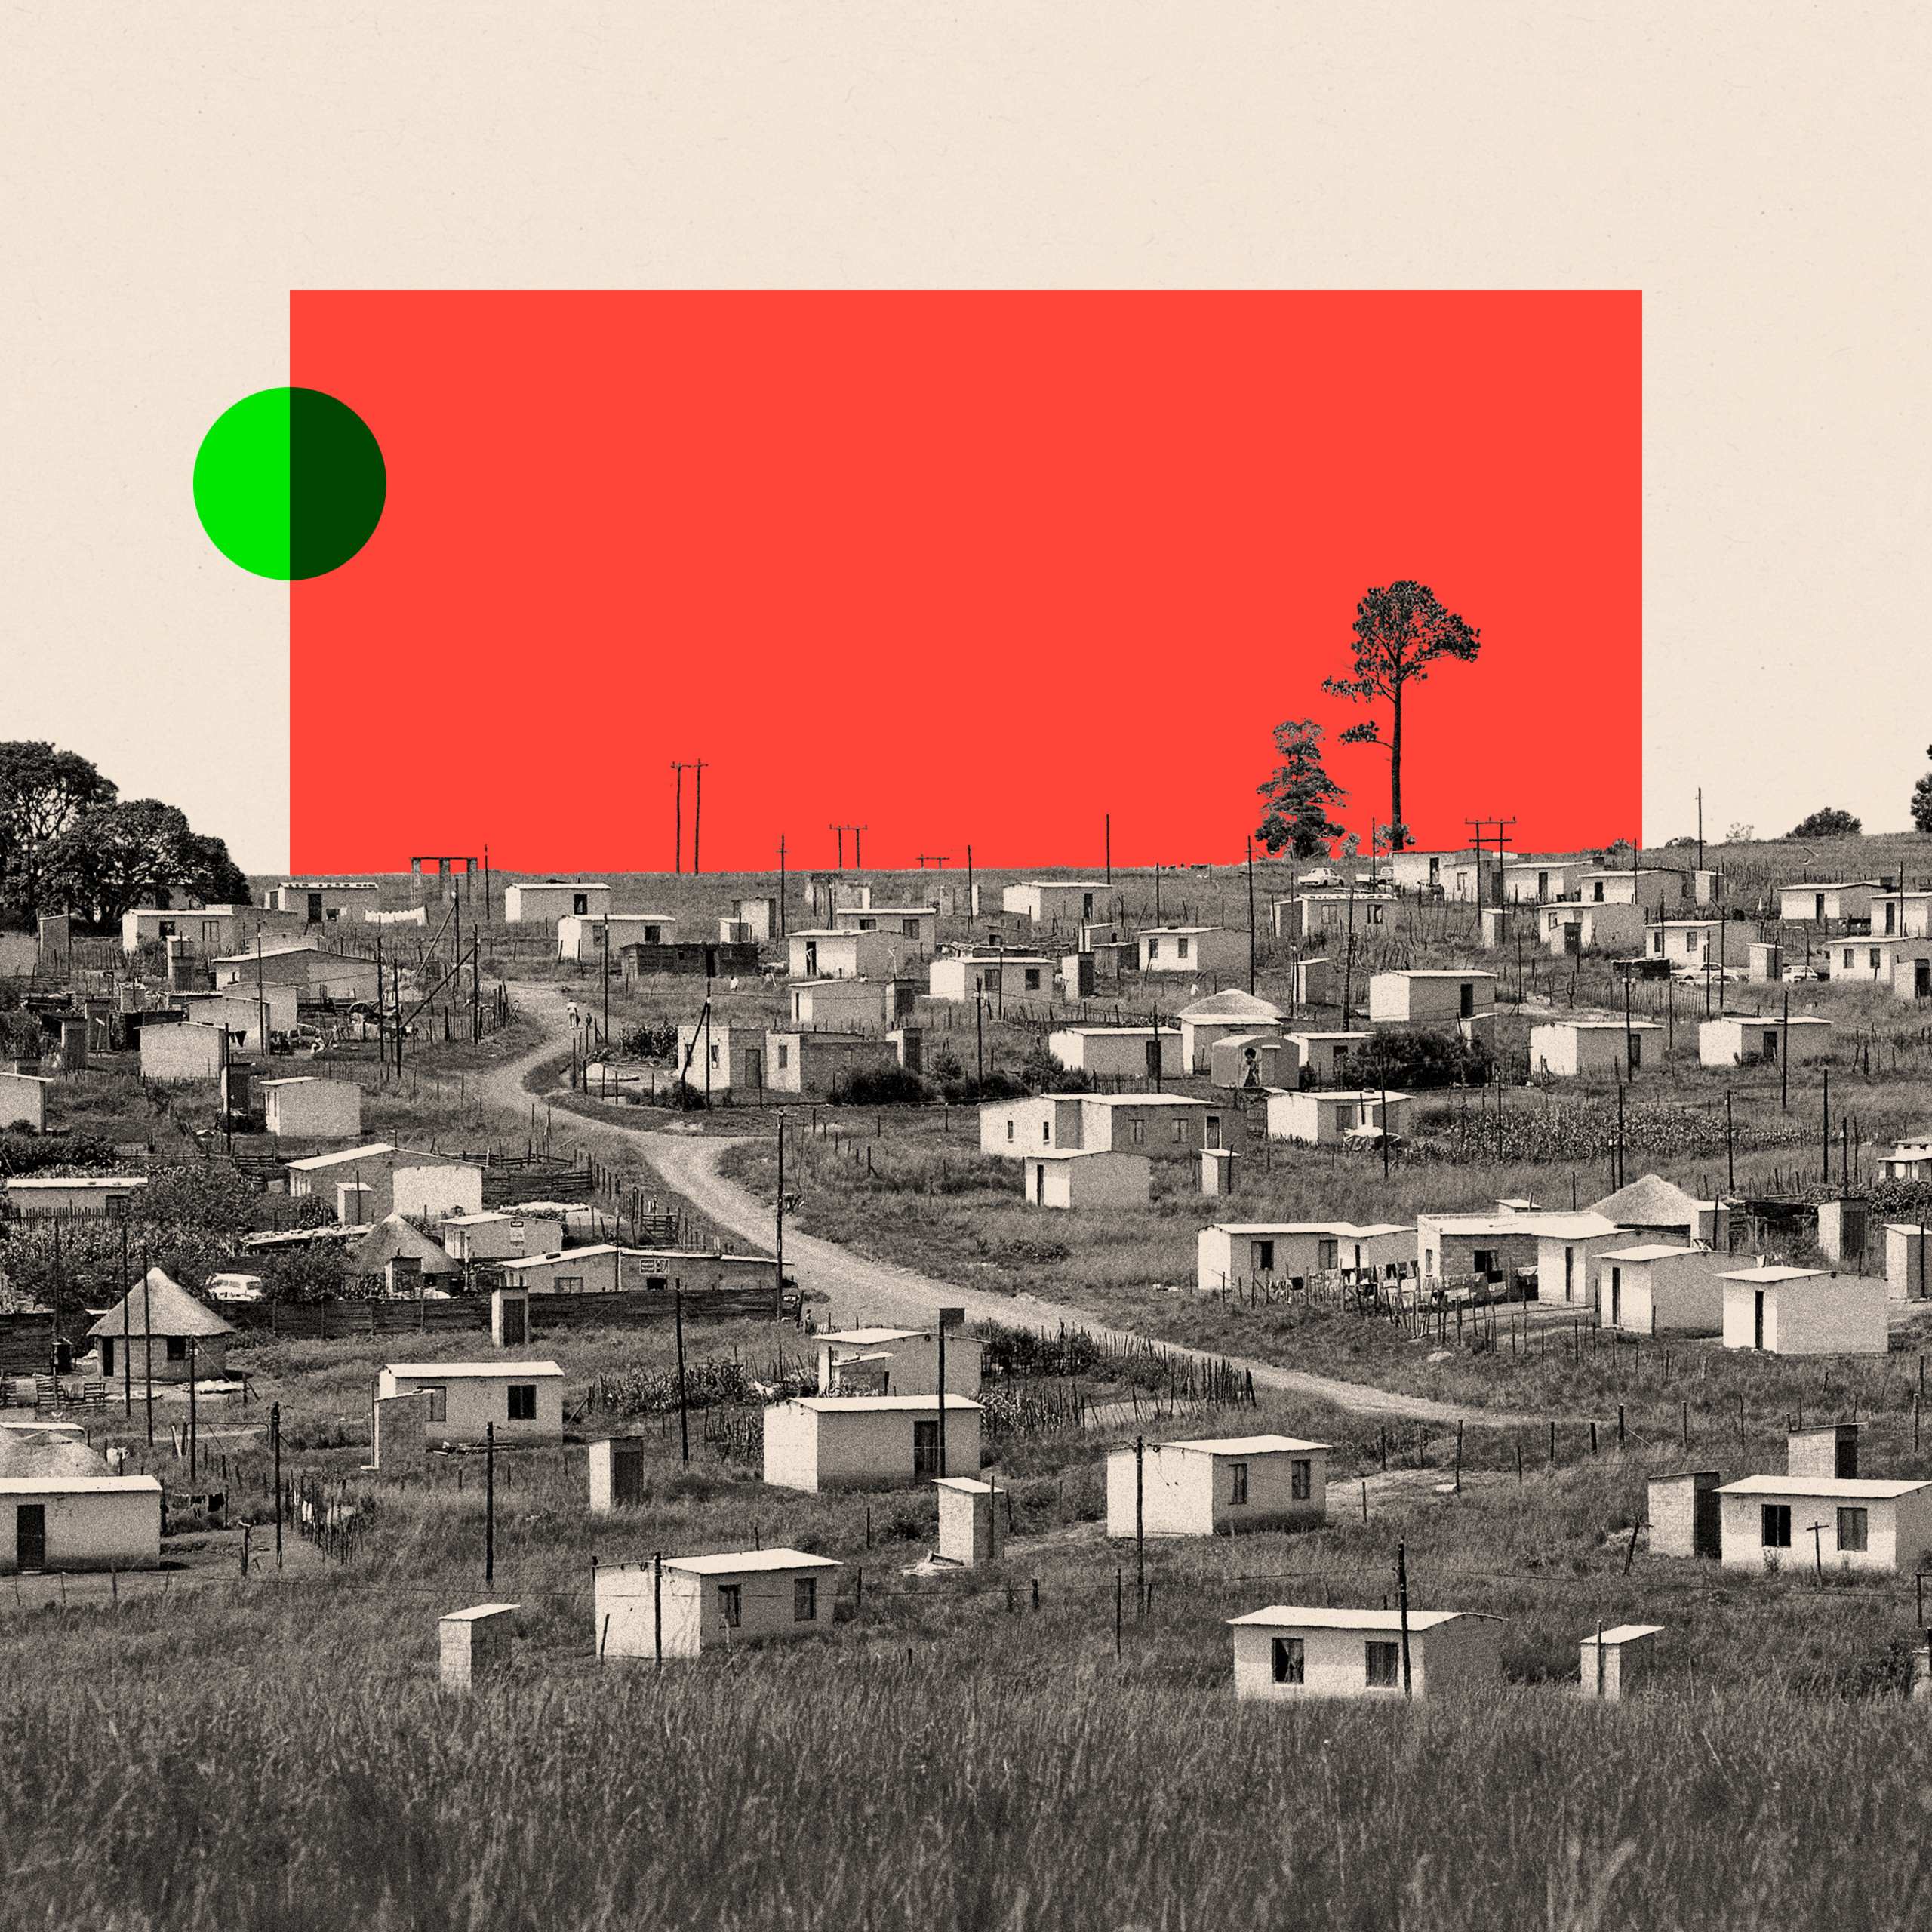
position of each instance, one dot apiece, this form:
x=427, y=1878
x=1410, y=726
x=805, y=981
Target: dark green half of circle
x=337, y=483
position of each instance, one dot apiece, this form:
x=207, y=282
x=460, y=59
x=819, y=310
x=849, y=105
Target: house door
x=1636, y=1053
x=627, y=1472
x=1922, y=979
x=1214, y=1129
x=1040, y=1183
x=1757, y=1319
x=1616, y=1297
x=314, y=909
x=754, y=1067
x=1569, y=1274
x=1818, y=907
x=1154, y=1057
x=711, y=962
x=925, y=1449
x=811, y=959
x=1707, y=1525
x=1771, y=1046
x=1573, y=939
x=30, y=1535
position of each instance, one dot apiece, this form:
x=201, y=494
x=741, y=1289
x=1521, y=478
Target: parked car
x=236, y=1287
x=1322, y=878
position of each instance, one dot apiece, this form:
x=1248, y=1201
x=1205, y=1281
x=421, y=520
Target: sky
x=1758, y=173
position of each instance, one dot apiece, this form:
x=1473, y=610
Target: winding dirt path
x=862, y=1292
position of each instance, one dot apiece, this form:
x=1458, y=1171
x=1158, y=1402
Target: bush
x=994, y=1086
x=1409, y=1060
x=1829, y=823
x=889, y=1086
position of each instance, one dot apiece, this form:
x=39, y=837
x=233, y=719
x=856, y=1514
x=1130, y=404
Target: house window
x=579, y=904
x=1482, y=1261
x=1852, y=1529
x=1325, y=1254
x=1597, y=896
x=1182, y=948
x=784, y=1056
x=177, y=1348
x=731, y=1604
x=1467, y=995
x=1301, y=1479
x=804, y=1600
x=1691, y=941
x=1384, y=1664
x=1341, y=1052
x=869, y=925
x=1290, y=1661
x=1238, y=1481
x=1264, y=1257
x=1138, y=1131
x=1180, y=1131
x=1032, y=978
x=910, y=927
x=714, y=1056
x=1847, y=959
x=1777, y=1525
x=1153, y=948
x=1875, y=959
x=1009, y=1130
x=523, y=1401
x=1657, y=941
x=439, y=1403
x=1046, y=1133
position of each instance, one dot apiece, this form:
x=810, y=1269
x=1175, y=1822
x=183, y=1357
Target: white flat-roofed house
x=711, y=1602
x=1221, y=1016
x=1289, y=1651
x=545, y=904
x=1328, y=1059
x=312, y=1109
x=1659, y=1290
x=1602, y=1047
x=1074, y=900
x=1807, y=1523
x=963, y=976
x=1193, y=949
x=1233, y=1252
x=325, y=901
x=50, y=1523
x=917, y=925
x=320, y=974
x=1510, y=1242
x=1690, y=945
x=498, y=1235
x=828, y=953
x=1415, y=871
x=1863, y=961
x=1323, y=1116
x=1804, y=1311
x=1254, y=1061
x=897, y=1361
x=1315, y=914
x=1651, y=886
x=1153, y=1123
x=1736, y=1038
x=1901, y=915
x=242, y=1011
x=1466, y=1001
x=848, y=1005
x=730, y=1060
x=1016, y=1128
x=1086, y=1178
x=524, y=1401
x=1817, y=901
x=583, y=939
x=1567, y=927
x=1909, y=1160
x=1568, y=1247
x=1218, y=1487
x=803, y=1062
x=822, y=1442
x=35, y=1196
x=1114, y=1053
x=1534, y=882
x=382, y=1179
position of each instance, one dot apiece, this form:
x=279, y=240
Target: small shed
x=544, y=904
x=1831, y=1450
x=1614, y=1661
x=501, y=1235
x=312, y=1109
x=1292, y=1650
x=1323, y=1116
x=1736, y=1038
x=1804, y=1312
x=616, y=1473
x=1686, y=1515
x=23, y=1101
x=1253, y=1062
x=1567, y=1246
x=161, y=1308
x=972, y=1530
x=1117, y=1053
x=1428, y=997
x=1078, y=1178
x=1809, y=1522
x=1908, y=1267
x=1221, y=1016
x=1603, y=1048
x=705, y=1603
x=79, y=1522
x=822, y=1442
x=1656, y=1289
x=524, y=1400
x=1217, y=1486
x=475, y=1646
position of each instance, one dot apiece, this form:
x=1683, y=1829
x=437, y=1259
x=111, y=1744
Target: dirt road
x=862, y=1292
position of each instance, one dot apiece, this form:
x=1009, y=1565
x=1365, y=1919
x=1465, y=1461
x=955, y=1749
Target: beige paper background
x=1758, y=171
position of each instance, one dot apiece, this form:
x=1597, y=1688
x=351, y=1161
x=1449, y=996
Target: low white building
x=1254, y=1061
x=244, y=1010
x=1115, y=1053
x=1804, y=1312
x=375, y=1181
x=1221, y=1016
x=822, y=1442
x=23, y=1101
x=1264, y=1251
x=1323, y=1116
x=1688, y=945
x=1509, y=1241
x=172, y=1054
x=319, y=973
x=1294, y=1650
x=584, y=940
x=1043, y=1122
x=60, y=1523
x=495, y=1236
x=917, y=925
x=897, y=1361
x=76, y=1197
x=807, y=1063
x=1816, y=901
x=312, y=1109
x=1864, y=961
x=1218, y=1487
x=1568, y=1247
x=849, y=1005
x=1651, y=886
x=1074, y=1179
x=523, y=1400
x=1908, y=1265
x=1568, y=928
x=1659, y=1290
x=1909, y=1160
x=1430, y=999
x=1533, y=881
x=325, y=901
x=1193, y=949
x=1735, y=1038
x=1333, y=914
x=828, y=953
x=545, y=904
x=1072, y=900
x=719, y=1060
x=710, y=1603
x=1901, y=915
x=1327, y=1057
x=962, y=978
x=1804, y=1522
x=1601, y=1048
x=1153, y=1124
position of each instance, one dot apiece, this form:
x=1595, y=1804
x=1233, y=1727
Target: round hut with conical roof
x=156, y=1321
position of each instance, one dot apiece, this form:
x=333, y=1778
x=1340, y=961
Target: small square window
x=439, y=1403
x=1853, y=1529
x=1290, y=1661
x=523, y=1401
x=1180, y=1130
x=1384, y=1666
x=731, y=1604
x=1153, y=948
x=1776, y=1520
x=1182, y=949
x=804, y=1600
x=1301, y=1479
x=1032, y=978
x=177, y=1348
x=1264, y=1257
x=1238, y=1482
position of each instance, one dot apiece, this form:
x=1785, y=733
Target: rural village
x=1468, y=1276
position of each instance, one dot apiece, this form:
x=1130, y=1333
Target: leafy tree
x=137, y=852
x=1408, y=1059
x=1829, y=823
x=1922, y=801
x=43, y=791
x=1299, y=794
x=1401, y=629
x=1740, y=833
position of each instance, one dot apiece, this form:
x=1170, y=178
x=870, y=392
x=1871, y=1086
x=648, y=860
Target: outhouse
x=616, y=1473
x=1218, y=1486
x=1290, y=1651
x=1614, y=1661
x=972, y=1526
x=1686, y=1515
x=706, y=1603
x=1832, y=1450
x=475, y=1645
x=1908, y=1267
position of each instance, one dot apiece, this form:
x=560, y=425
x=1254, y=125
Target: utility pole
x=678, y=846
x=697, y=821
x=1402, y=1593
x=684, y=1414
x=781, y=885
x=1110, y=847
x=1700, y=828
x=605, y=949
x=489, y=1501
x=1250, y=918
x=778, y=1291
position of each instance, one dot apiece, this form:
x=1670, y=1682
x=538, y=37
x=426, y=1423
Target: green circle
x=290, y=483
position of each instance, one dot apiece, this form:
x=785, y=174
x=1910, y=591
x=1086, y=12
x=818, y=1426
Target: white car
x=236, y=1287
x=1321, y=879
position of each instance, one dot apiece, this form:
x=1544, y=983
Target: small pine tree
x=1299, y=794
x=1922, y=801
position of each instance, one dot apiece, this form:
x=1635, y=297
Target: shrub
x=1829, y=823
x=888, y=1087
x=994, y=1086
x=1408, y=1059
